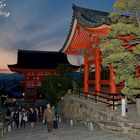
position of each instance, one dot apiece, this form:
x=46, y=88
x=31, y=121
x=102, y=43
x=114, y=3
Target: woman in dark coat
x=32, y=117
x=16, y=118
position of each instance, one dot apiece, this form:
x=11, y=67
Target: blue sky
x=39, y=25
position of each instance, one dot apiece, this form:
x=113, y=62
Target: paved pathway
x=64, y=132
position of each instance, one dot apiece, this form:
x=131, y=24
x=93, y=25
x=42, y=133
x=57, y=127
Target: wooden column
x=86, y=73
x=113, y=88
x=25, y=87
x=25, y=91
x=137, y=72
x=35, y=85
x=35, y=93
x=97, y=70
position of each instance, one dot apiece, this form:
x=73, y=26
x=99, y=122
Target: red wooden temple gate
x=35, y=66
x=89, y=28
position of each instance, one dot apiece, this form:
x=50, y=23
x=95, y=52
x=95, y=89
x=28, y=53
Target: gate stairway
x=64, y=132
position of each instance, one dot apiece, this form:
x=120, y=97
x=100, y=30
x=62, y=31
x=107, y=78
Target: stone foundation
x=83, y=112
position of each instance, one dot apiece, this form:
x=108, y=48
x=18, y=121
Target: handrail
x=4, y=125
x=2, y=129
x=111, y=99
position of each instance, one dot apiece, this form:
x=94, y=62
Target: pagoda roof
x=87, y=18
x=39, y=60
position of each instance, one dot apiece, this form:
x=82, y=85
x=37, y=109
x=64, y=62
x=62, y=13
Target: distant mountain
x=12, y=76
x=10, y=81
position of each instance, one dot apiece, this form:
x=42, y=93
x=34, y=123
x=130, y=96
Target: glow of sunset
x=6, y=58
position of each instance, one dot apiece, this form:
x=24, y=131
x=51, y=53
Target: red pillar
x=97, y=70
x=25, y=88
x=113, y=88
x=25, y=91
x=86, y=73
x=35, y=85
x=137, y=72
x=35, y=93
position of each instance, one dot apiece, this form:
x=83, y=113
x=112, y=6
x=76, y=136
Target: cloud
x=53, y=44
x=36, y=25
x=32, y=25
x=7, y=57
x=20, y=34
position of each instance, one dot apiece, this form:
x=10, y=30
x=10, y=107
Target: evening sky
x=39, y=25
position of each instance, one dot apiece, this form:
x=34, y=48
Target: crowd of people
x=34, y=115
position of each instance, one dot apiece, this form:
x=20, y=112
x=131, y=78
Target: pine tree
x=125, y=32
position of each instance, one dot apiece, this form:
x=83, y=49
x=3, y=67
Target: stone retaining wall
x=82, y=111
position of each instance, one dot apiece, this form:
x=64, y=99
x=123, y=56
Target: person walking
x=20, y=116
x=48, y=116
x=16, y=118
x=55, y=125
x=40, y=113
x=32, y=116
x=37, y=114
x=24, y=118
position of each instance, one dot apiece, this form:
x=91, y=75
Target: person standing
x=55, y=125
x=24, y=118
x=48, y=116
x=40, y=112
x=20, y=116
x=32, y=116
x=16, y=118
x=37, y=113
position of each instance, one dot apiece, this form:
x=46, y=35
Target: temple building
x=88, y=29
x=35, y=65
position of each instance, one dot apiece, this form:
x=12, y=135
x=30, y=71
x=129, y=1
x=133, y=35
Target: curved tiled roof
x=39, y=59
x=90, y=18
x=87, y=18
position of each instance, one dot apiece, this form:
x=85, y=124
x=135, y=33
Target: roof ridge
x=87, y=18
x=39, y=51
x=74, y=7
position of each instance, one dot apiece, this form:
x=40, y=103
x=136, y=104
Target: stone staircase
x=64, y=132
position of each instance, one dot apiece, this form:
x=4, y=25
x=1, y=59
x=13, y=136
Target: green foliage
x=123, y=29
x=131, y=8
x=123, y=60
x=114, y=16
x=54, y=87
x=127, y=6
x=64, y=69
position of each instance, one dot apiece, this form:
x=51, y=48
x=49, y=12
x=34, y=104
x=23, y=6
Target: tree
x=56, y=86
x=125, y=31
x=2, y=6
x=63, y=69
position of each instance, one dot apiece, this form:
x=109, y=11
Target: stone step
x=64, y=132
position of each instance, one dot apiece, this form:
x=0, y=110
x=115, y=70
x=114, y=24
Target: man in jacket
x=48, y=116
